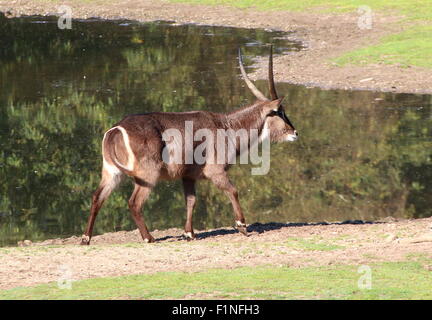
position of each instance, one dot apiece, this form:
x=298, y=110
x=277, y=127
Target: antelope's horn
x=272, y=87
x=249, y=83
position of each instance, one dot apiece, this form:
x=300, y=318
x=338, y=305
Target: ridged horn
x=271, y=83
x=249, y=83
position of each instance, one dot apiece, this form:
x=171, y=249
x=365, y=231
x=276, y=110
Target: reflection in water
x=361, y=155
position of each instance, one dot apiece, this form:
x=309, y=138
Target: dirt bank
x=295, y=245
x=326, y=36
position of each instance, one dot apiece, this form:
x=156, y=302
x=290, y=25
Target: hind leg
x=108, y=183
x=139, y=196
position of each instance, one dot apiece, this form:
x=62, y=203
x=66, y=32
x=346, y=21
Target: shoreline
x=326, y=36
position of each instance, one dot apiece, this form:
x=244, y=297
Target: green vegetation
x=410, y=48
x=396, y=280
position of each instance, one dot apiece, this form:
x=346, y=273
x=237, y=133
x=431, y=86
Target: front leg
x=222, y=181
x=190, y=198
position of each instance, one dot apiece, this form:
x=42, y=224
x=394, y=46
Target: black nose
x=296, y=133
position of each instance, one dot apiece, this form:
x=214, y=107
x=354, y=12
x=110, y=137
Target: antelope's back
x=167, y=140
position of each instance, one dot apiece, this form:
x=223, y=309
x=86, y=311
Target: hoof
x=85, y=240
x=241, y=227
x=149, y=240
x=189, y=236
x=243, y=230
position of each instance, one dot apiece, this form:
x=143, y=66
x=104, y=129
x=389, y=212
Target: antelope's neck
x=249, y=117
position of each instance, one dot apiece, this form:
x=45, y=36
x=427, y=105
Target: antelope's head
x=277, y=123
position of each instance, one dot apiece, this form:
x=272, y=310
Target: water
x=361, y=155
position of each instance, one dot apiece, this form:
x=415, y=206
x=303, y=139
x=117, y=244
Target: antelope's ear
x=275, y=105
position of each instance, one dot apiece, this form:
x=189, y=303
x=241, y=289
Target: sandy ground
x=325, y=36
x=294, y=245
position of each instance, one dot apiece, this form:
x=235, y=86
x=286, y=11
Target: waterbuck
x=135, y=147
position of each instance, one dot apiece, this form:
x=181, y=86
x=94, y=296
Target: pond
x=361, y=155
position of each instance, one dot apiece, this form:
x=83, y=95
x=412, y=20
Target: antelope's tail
x=109, y=149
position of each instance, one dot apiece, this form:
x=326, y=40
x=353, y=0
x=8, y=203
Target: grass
x=410, y=48
x=395, y=280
